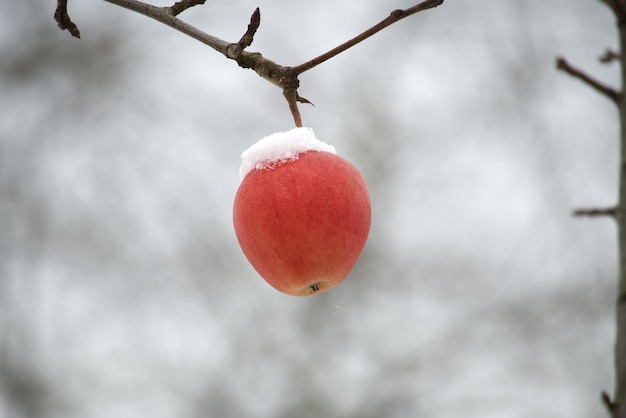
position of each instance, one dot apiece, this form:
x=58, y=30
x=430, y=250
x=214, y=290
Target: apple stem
x=292, y=98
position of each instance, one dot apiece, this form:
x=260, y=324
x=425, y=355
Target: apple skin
x=302, y=224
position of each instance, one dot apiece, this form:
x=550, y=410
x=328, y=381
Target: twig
x=182, y=5
x=595, y=212
x=608, y=403
x=393, y=17
x=608, y=91
x=63, y=19
x=255, y=21
x=162, y=14
x=234, y=50
x=609, y=56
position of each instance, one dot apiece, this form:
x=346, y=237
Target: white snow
x=281, y=147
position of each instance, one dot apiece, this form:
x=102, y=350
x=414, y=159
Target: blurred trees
x=123, y=291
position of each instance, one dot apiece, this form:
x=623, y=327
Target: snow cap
x=279, y=148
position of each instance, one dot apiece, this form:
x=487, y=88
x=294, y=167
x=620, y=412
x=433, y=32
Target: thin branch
x=596, y=212
x=393, y=17
x=234, y=50
x=616, y=405
x=63, y=19
x=255, y=22
x=162, y=14
x=609, y=92
x=608, y=403
x=182, y=5
x=609, y=56
x=301, y=99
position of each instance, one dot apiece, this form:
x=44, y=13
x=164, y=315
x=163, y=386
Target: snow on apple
x=301, y=214
x=279, y=148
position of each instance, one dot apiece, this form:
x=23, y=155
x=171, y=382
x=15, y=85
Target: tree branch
x=282, y=76
x=596, y=212
x=163, y=15
x=609, y=56
x=234, y=50
x=609, y=92
x=608, y=404
x=393, y=17
x=616, y=405
x=255, y=22
x=63, y=19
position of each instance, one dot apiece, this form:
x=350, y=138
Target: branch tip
x=182, y=5
x=255, y=22
x=63, y=19
x=393, y=17
x=610, y=92
x=303, y=100
x=609, y=56
x=608, y=403
x=234, y=50
x=596, y=212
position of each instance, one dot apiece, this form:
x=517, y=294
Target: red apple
x=302, y=216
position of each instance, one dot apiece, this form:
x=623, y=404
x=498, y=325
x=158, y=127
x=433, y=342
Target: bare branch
x=609, y=92
x=595, y=212
x=182, y=5
x=608, y=403
x=234, y=50
x=301, y=99
x=393, y=17
x=63, y=19
x=282, y=76
x=609, y=56
x=255, y=21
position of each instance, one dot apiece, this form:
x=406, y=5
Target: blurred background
x=123, y=292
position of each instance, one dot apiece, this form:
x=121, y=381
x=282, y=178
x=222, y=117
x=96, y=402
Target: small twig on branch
x=393, y=17
x=234, y=50
x=182, y=5
x=596, y=212
x=63, y=19
x=609, y=92
x=608, y=403
x=301, y=99
x=609, y=56
x=255, y=21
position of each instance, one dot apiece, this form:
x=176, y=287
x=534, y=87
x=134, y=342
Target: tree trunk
x=620, y=345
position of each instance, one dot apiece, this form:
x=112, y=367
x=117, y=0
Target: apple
x=301, y=214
